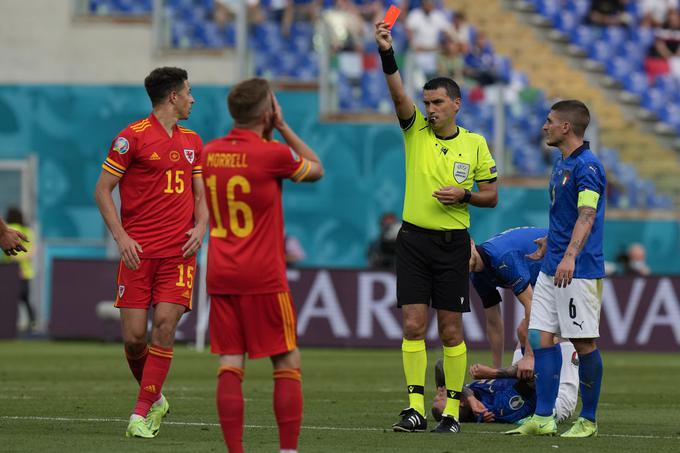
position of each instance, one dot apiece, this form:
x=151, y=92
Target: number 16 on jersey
x=238, y=213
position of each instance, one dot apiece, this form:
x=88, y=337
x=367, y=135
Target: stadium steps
x=553, y=73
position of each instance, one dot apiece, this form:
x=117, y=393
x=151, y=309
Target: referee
x=443, y=161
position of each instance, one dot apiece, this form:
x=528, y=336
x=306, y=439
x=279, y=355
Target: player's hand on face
x=542, y=244
x=194, y=242
x=525, y=368
x=279, y=122
x=565, y=272
x=449, y=195
x=383, y=36
x=129, y=252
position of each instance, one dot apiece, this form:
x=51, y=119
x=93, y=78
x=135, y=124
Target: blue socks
x=590, y=375
x=547, y=366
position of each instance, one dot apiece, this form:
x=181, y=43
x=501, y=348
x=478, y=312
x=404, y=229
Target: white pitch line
x=317, y=428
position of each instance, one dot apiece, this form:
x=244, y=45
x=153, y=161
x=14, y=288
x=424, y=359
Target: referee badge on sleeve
x=460, y=171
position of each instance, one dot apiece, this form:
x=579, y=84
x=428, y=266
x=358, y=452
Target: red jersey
x=155, y=171
x=243, y=177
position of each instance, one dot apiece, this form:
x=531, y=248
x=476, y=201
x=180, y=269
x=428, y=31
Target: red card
x=391, y=16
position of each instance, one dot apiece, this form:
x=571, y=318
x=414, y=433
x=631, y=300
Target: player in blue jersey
x=567, y=296
x=502, y=262
x=500, y=396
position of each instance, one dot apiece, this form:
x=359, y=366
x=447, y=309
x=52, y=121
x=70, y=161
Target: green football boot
x=139, y=427
x=158, y=410
x=581, y=428
x=536, y=426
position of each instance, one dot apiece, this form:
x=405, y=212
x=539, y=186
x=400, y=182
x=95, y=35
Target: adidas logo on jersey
x=154, y=156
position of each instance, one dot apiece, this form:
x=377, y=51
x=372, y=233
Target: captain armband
x=588, y=198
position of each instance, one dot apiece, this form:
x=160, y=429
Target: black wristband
x=389, y=64
x=467, y=196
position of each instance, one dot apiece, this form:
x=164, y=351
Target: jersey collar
x=450, y=137
x=158, y=126
x=245, y=134
x=580, y=149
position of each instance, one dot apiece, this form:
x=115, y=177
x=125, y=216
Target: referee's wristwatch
x=466, y=197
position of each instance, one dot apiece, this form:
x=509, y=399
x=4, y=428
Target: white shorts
x=571, y=312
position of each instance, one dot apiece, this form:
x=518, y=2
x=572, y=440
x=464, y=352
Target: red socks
x=155, y=370
x=137, y=363
x=288, y=406
x=230, y=406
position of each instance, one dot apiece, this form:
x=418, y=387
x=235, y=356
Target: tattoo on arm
x=509, y=372
x=586, y=218
x=466, y=393
x=586, y=215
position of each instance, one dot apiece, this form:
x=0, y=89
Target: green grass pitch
x=76, y=397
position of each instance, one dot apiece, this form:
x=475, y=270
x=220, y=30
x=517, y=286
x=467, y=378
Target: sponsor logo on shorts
x=174, y=155
x=121, y=291
x=121, y=145
x=189, y=154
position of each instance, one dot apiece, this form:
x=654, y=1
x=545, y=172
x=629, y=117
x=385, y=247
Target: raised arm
x=292, y=139
x=403, y=104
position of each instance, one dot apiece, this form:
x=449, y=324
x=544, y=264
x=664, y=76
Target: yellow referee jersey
x=433, y=163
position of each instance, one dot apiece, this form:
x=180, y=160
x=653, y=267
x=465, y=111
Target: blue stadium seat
x=620, y=68
x=636, y=82
x=585, y=36
x=568, y=22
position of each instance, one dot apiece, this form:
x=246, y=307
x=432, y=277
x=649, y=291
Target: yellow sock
x=414, y=357
x=455, y=361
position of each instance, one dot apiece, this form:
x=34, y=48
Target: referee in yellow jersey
x=443, y=161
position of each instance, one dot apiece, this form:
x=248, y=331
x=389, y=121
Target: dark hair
x=451, y=87
x=162, y=81
x=14, y=215
x=575, y=113
x=247, y=100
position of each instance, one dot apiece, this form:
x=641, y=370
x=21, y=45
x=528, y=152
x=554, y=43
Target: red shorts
x=157, y=280
x=262, y=325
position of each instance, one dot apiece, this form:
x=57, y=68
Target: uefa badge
x=189, y=154
x=121, y=145
x=121, y=290
x=460, y=172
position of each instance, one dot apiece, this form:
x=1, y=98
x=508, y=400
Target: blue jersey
x=581, y=170
x=508, y=399
x=506, y=264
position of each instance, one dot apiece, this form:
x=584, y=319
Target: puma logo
x=580, y=326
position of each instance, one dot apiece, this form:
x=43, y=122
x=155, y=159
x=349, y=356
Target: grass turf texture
x=78, y=396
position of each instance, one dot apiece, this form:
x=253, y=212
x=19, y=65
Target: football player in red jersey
x=251, y=309
x=156, y=164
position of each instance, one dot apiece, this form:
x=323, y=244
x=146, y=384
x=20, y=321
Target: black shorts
x=433, y=268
